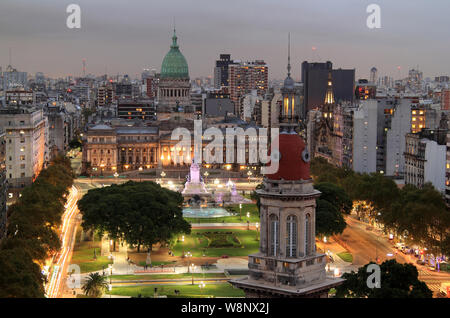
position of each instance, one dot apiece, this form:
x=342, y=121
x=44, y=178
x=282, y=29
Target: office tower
x=314, y=78
x=373, y=75
x=365, y=137
x=221, y=70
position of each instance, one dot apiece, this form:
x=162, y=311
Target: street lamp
x=201, y=286
x=116, y=175
x=192, y=267
x=206, y=174
x=240, y=211
x=248, y=221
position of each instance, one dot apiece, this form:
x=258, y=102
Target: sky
x=125, y=37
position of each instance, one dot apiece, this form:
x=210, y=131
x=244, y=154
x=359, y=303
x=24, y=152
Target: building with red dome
x=287, y=264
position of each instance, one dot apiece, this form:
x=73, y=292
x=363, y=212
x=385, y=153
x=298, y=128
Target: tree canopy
x=419, y=214
x=31, y=236
x=330, y=206
x=141, y=213
x=396, y=281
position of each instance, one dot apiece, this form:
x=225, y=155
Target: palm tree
x=95, y=285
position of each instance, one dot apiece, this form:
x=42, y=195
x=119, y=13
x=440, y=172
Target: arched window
x=291, y=238
x=274, y=235
x=308, y=234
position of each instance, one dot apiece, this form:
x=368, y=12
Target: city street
x=62, y=259
x=365, y=245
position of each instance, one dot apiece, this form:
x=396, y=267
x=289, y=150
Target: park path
x=121, y=266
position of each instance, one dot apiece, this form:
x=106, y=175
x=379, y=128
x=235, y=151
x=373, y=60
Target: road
x=365, y=245
x=61, y=260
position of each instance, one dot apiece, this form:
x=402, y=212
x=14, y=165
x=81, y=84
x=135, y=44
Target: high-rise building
x=105, y=95
x=244, y=77
x=12, y=78
x=373, y=75
x=26, y=144
x=315, y=77
x=425, y=160
x=365, y=137
x=143, y=109
x=221, y=70
x=445, y=99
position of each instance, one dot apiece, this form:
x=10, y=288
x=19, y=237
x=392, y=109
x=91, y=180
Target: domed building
x=287, y=263
x=174, y=84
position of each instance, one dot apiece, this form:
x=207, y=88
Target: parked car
x=420, y=262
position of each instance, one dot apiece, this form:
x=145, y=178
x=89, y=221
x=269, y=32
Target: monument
x=287, y=264
x=194, y=191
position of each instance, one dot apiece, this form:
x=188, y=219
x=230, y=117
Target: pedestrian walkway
x=121, y=265
x=209, y=225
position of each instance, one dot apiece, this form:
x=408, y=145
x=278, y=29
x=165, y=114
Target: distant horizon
x=127, y=38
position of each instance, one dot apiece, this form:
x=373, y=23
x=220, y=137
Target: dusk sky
x=127, y=36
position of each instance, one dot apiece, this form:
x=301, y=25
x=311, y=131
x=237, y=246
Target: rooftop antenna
x=10, y=57
x=289, y=55
x=84, y=67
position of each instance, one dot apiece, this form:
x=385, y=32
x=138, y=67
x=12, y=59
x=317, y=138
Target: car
x=420, y=262
x=224, y=256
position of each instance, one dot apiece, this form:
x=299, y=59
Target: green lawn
x=346, y=256
x=250, y=207
x=186, y=291
x=167, y=276
x=197, y=244
x=83, y=255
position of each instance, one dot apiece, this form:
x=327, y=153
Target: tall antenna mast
x=289, y=55
x=10, y=57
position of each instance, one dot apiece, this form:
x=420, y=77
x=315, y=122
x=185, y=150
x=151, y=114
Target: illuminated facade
x=26, y=132
x=174, y=85
x=244, y=77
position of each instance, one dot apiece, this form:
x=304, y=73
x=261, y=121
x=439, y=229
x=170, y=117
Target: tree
x=335, y=195
x=75, y=143
x=141, y=213
x=255, y=196
x=330, y=206
x=19, y=275
x=95, y=285
x=396, y=281
x=329, y=221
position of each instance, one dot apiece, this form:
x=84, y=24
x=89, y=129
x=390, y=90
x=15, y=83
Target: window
x=274, y=233
x=291, y=239
x=308, y=234
x=22, y=157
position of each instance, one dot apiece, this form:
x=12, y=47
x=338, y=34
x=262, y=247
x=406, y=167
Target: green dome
x=174, y=64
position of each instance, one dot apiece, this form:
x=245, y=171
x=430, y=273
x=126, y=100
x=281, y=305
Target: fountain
x=198, y=199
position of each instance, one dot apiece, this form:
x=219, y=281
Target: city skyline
x=113, y=44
